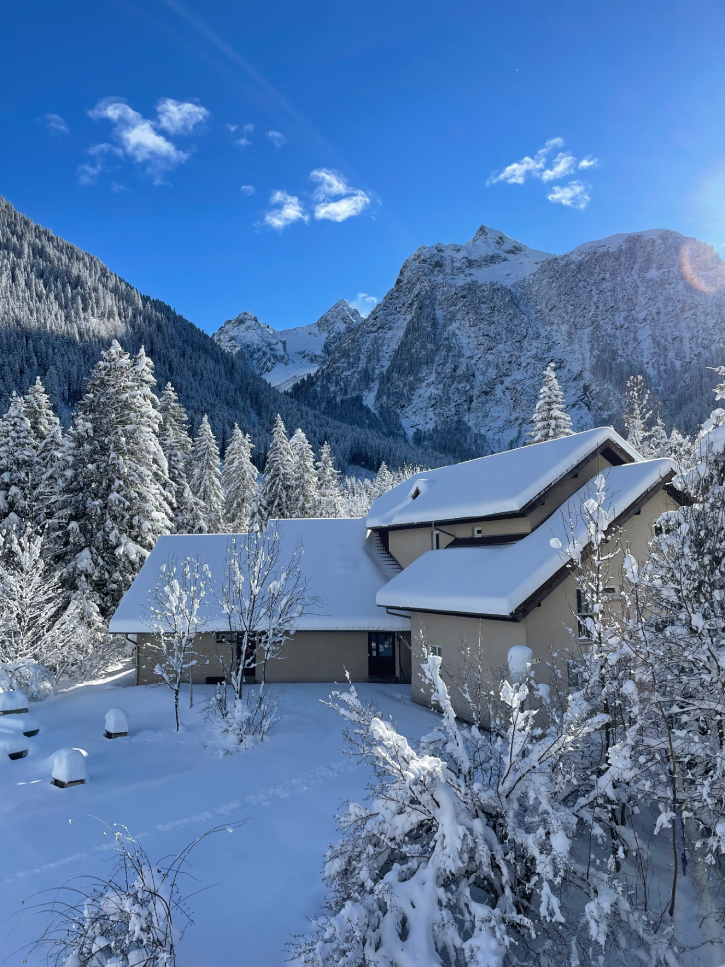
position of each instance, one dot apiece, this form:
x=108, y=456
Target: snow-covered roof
x=503, y=483
x=497, y=580
x=339, y=562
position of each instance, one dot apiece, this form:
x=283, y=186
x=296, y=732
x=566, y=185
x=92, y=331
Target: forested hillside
x=60, y=307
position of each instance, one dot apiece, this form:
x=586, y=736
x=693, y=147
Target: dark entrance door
x=381, y=655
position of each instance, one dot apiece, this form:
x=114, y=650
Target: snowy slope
x=284, y=356
x=454, y=352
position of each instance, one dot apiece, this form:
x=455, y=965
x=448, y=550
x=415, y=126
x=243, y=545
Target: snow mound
x=13, y=701
x=69, y=766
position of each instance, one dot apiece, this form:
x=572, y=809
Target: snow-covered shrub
x=241, y=722
x=134, y=918
x=466, y=854
x=34, y=679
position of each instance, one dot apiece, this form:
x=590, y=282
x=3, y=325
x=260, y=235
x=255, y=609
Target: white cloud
x=242, y=143
x=574, y=195
x=288, y=210
x=54, y=123
x=275, y=137
x=335, y=199
x=364, y=303
x=248, y=129
x=247, y=189
x=180, y=117
x=546, y=169
x=563, y=164
x=87, y=173
x=138, y=138
x=232, y=127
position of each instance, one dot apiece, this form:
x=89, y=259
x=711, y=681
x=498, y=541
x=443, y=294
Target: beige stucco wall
x=545, y=629
x=490, y=640
x=309, y=656
x=321, y=656
x=207, y=657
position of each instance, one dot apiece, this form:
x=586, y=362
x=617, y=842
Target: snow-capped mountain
x=284, y=356
x=454, y=353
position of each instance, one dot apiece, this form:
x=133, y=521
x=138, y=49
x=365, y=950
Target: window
x=583, y=610
x=436, y=540
x=478, y=531
x=416, y=493
x=573, y=673
x=436, y=651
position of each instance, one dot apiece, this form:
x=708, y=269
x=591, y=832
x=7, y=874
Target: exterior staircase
x=383, y=554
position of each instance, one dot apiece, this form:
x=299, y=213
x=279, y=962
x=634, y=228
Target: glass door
x=381, y=655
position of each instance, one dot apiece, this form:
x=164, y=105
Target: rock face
x=455, y=351
x=284, y=356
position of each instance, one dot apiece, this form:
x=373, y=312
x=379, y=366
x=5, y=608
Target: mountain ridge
x=452, y=356
x=284, y=356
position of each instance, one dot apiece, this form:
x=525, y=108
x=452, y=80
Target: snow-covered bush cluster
x=133, y=918
x=485, y=843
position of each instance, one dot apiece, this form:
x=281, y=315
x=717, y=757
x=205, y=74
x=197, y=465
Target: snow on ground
x=259, y=883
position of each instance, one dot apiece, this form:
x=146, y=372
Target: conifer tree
x=205, y=477
x=638, y=415
x=328, y=487
x=17, y=468
x=189, y=514
x=304, y=475
x=277, y=488
x=239, y=482
x=115, y=499
x=174, y=434
x=47, y=443
x=258, y=515
x=550, y=420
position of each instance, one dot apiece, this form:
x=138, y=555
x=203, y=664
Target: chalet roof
x=499, y=580
x=497, y=485
x=339, y=561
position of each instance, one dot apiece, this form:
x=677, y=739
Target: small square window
x=436, y=651
x=478, y=531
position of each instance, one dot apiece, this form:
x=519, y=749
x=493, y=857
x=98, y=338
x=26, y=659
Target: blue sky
x=372, y=129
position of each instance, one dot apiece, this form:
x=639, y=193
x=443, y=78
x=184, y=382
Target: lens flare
x=702, y=267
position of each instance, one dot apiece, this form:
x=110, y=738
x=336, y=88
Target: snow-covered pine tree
x=638, y=415
x=115, y=499
x=258, y=515
x=278, y=486
x=47, y=443
x=550, y=420
x=17, y=468
x=383, y=479
x=204, y=475
x=304, y=476
x=189, y=516
x=239, y=482
x=328, y=487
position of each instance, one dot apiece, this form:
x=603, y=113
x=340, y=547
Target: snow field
x=259, y=884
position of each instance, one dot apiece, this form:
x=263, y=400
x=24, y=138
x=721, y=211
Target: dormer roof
x=501, y=485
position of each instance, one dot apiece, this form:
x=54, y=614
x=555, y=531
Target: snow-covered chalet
x=458, y=554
